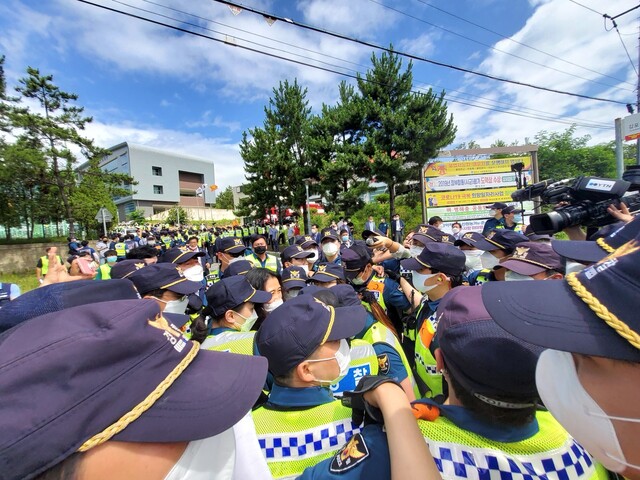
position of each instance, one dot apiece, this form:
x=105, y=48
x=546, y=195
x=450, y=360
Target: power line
x=416, y=57
x=377, y=2
x=513, y=108
x=173, y=27
x=584, y=6
x=521, y=43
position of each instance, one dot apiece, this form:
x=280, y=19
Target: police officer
x=533, y=261
x=295, y=255
x=229, y=249
x=259, y=256
x=232, y=303
x=436, y=270
x=42, y=267
x=497, y=245
x=496, y=220
x=302, y=423
x=104, y=270
x=589, y=372
x=491, y=426
x=327, y=275
x=512, y=217
x=330, y=247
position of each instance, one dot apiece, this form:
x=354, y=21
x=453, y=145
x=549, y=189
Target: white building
x=164, y=178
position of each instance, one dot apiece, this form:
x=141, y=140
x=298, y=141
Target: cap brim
x=235, y=249
x=308, y=243
x=423, y=238
x=176, y=319
x=322, y=277
x=302, y=255
x=185, y=287
x=213, y=382
x=260, y=296
x=523, y=268
x=412, y=264
x=549, y=314
x=486, y=245
x=348, y=322
x=293, y=283
x=579, y=251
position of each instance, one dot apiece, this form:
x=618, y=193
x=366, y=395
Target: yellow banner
x=474, y=167
x=469, y=197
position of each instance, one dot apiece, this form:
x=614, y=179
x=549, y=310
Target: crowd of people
x=259, y=352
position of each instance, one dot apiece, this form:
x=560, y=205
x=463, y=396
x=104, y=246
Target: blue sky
x=147, y=84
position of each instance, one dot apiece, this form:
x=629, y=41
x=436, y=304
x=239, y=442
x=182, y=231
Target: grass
x=26, y=281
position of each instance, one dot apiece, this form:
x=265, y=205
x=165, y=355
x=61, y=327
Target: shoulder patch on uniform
x=383, y=364
x=353, y=453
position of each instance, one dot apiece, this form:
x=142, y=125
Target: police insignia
x=383, y=364
x=354, y=452
x=294, y=274
x=322, y=268
x=520, y=253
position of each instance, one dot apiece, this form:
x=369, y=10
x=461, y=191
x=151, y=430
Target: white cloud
x=207, y=119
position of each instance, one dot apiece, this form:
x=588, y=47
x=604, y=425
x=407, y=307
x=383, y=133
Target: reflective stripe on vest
x=234, y=342
x=293, y=440
x=425, y=367
x=271, y=262
x=484, y=276
x=45, y=264
x=105, y=271
x=379, y=333
x=549, y=454
x=121, y=249
x=376, y=286
x=364, y=361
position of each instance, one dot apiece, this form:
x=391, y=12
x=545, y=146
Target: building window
x=156, y=171
x=157, y=189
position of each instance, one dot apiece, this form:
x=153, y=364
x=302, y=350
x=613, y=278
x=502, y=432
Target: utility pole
x=638, y=99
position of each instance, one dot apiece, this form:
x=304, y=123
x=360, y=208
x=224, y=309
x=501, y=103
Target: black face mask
x=260, y=250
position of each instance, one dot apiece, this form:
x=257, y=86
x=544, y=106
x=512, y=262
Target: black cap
x=232, y=245
x=229, y=292
x=500, y=239
x=306, y=241
x=179, y=255
x=487, y=361
x=294, y=251
x=469, y=238
x=354, y=259
x=59, y=296
x=346, y=294
x=427, y=233
x=327, y=272
x=239, y=267
x=298, y=327
x=294, y=277
x=124, y=268
x=511, y=209
x=372, y=233
x=438, y=256
x=163, y=276
x=328, y=233
x=593, y=312
x=534, y=237
x=498, y=205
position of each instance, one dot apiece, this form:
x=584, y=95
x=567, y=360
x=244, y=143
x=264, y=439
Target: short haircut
x=140, y=253
x=435, y=219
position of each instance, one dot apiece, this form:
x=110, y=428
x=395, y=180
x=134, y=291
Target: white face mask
x=195, y=273
x=270, y=307
x=235, y=259
x=418, y=280
x=488, y=260
x=151, y=242
x=455, y=230
x=473, y=261
x=511, y=276
x=565, y=397
x=415, y=250
x=330, y=249
x=492, y=212
x=248, y=322
x=293, y=293
x=312, y=258
x=175, y=306
x=343, y=357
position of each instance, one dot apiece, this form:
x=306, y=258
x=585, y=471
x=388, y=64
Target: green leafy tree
x=177, y=215
x=337, y=137
x=137, y=216
x=54, y=132
x=563, y=155
x=403, y=129
x=276, y=155
x=224, y=200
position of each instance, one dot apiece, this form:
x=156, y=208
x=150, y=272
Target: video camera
x=586, y=198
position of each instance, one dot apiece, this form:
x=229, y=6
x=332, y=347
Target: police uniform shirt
x=394, y=296
x=282, y=398
x=366, y=455
x=491, y=224
x=389, y=361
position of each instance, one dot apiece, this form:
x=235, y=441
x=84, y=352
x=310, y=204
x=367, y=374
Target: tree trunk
x=7, y=232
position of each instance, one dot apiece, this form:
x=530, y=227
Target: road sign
x=104, y=215
x=631, y=127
